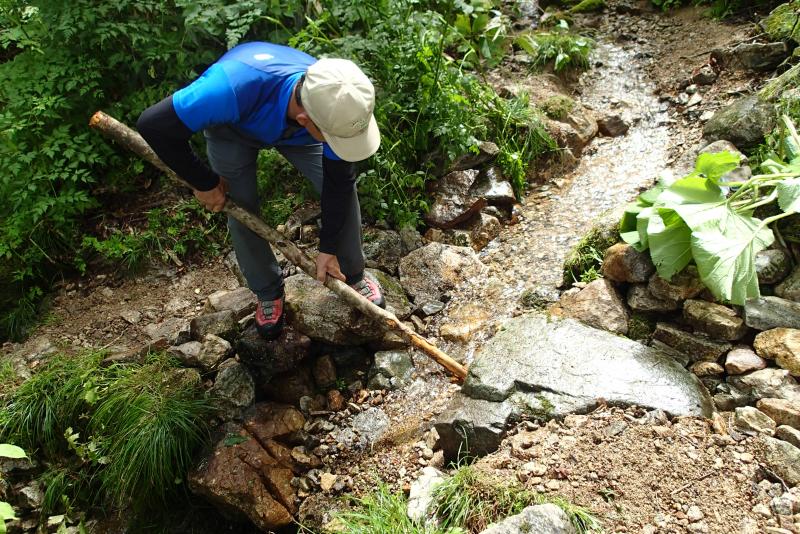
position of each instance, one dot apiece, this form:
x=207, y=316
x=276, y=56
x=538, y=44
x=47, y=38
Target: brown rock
x=598, y=305
x=241, y=301
x=324, y=372
x=290, y=387
x=221, y=323
x=697, y=347
x=270, y=420
x=684, y=285
x=243, y=479
x=743, y=360
x=752, y=419
x=464, y=321
x=781, y=411
x=623, y=263
x=788, y=434
x=613, y=126
x=336, y=402
x=453, y=203
x=781, y=345
x=706, y=369
x=640, y=299
x=715, y=320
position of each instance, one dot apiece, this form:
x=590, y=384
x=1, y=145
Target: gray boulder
x=233, y=389
x=745, y=122
x=769, y=382
x=765, y=313
x=697, y=347
x=382, y=249
x=541, y=519
x=391, y=369
x=241, y=301
x=760, y=56
x=784, y=459
x=436, y=269
x=222, y=323
x=772, y=265
x=453, y=202
x=472, y=427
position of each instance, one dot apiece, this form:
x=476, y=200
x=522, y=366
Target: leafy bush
x=692, y=219
x=117, y=435
x=564, y=49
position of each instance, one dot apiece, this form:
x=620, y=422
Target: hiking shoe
x=370, y=289
x=269, y=318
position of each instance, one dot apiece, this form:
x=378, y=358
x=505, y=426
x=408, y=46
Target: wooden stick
x=134, y=142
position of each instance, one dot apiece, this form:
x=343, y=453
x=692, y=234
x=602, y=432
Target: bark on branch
x=131, y=140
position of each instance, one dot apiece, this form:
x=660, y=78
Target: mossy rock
x=588, y=253
x=588, y=6
x=640, y=327
x=557, y=106
x=782, y=23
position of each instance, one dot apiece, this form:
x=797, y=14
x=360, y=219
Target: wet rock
x=482, y=229
x=781, y=23
x=491, y=186
x=705, y=75
x=788, y=434
x=772, y=266
x=640, y=299
x=575, y=130
x=464, y=321
x=745, y=122
x=784, y=459
x=410, y=239
x=273, y=421
x=396, y=300
x=436, y=269
x=336, y=402
x=392, y=369
x=187, y=353
x=453, y=203
x=764, y=313
x=790, y=287
x=526, y=363
x=684, y=285
x=472, y=427
x=233, y=389
x=420, y=496
x=781, y=411
x=743, y=360
x=760, y=56
x=781, y=345
x=487, y=152
x=291, y=386
x=623, y=263
x=717, y=321
x=697, y=347
x=241, y=301
x=317, y=312
x=175, y=330
x=707, y=369
x=214, y=350
x=754, y=420
x=542, y=519
x=372, y=423
x=613, y=126
x=222, y=324
x=598, y=305
x=382, y=249
x=769, y=382
x=243, y=479
x=268, y=358
x=324, y=371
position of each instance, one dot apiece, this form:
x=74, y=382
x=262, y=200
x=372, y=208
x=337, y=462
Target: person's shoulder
x=266, y=56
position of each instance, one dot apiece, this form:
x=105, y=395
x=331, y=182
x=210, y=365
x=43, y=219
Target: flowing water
x=554, y=216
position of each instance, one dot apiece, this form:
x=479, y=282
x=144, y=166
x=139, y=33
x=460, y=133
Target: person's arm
x=338, y=181
x=169, y=137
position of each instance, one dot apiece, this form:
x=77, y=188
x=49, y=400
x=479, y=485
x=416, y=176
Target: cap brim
x=358, y=147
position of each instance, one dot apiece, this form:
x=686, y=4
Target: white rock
x=421, y=494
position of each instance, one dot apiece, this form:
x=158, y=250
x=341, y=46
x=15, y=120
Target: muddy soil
x=647, y=472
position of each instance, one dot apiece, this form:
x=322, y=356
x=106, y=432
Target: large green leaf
x=715, y=166
x=628, y=221
x=725, y=256
x=691, y=190
x=642, y=220
x=670, y=242
x=6, y=512
x=789, y=195
x=648, y=198
x=11, y=451
x=698, y=216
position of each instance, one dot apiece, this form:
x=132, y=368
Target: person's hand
x=213, y=199
x=327, y=264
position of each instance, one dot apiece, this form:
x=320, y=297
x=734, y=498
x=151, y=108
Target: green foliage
x=384, y=512
x=113, y=436
x=471, y=501
x=6, y=511
x=559, y=47
x=585, y=260
x=692, y=219
x=281, y=187
x=183, y=230
x=588, y=6
x=485, y=30
x=557, y=106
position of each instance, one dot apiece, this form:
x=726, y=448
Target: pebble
x=762, y=510
x=694, y=514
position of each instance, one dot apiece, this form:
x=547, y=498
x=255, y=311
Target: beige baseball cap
x=340, y=99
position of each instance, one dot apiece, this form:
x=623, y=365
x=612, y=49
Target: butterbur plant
x=703, y=218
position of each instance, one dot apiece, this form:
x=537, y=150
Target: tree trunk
x=131, y=140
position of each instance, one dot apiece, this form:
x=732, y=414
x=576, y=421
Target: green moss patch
x=557, y=106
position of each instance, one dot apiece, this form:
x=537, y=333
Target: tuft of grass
x=557, y=106
x=119, y=436
x=470, y=501
x=559, y=48
x=585, y=260
x=384, y=512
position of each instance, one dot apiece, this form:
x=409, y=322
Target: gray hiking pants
x=234, y=156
